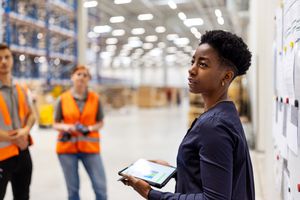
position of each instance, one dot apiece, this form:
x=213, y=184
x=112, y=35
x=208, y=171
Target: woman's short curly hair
x=231, y=48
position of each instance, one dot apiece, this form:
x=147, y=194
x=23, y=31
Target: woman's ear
x=229, y=75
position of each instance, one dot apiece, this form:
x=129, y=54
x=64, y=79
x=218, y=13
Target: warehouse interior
x=138, y=53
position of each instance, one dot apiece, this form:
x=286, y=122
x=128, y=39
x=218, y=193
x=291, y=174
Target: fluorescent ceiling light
x=106, y=54
x=135, y=43
x=134, y=38
x=218, y=13
x=171, y=49
x=111, y=48
x=172, y=4
x=182, y=16
x=194, y=30
x=160, y=29
x=90, y=4
x=92, y=34
x=193, y=22
x=122, y=1
x=135, y=56
x=161, y=45
x=221, y=20
x=139, y=51
x=111, y=41
x=147, y=46
x=117, y=19
x=155, y=52
x=188, y=49
x=151, y=38
x=144, y=17
x=170, y=58
x=181, y=41
x=138, y=31
x=127, y=47
x=102, y=29
x=172, y=36
x=118, y=32
x=198, y=35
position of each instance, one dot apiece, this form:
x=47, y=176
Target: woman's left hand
x=142, y=187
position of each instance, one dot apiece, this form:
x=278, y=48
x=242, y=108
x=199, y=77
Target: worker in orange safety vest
x=78, y=118
x=16, y=120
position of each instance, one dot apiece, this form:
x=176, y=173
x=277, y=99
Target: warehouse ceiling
x=173, y=26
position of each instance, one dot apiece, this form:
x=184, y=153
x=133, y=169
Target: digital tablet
x=155, y=174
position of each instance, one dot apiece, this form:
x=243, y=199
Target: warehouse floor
x=129, y=134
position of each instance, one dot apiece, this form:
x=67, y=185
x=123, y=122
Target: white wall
x=261, y=37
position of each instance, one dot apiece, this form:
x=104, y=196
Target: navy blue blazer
x=213, y=161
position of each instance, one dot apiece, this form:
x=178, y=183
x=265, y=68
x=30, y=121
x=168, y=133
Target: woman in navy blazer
x=213, y=161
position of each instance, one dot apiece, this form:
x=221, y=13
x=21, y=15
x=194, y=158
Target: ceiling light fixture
x=102, y=29
x=172, y=5
x=218, y=13
x=160, y=29
x=172, y=36
x=117, y=19
x=122, y=1
x=118, y=32
x=181, y=41
x=182, y=16
x=138, y=31
x=161, y=45
x=90, y=4
x=151, y=38
x=147, y=46
x=111, y=41
x=193, y=22
x=198, y=35
x=221, y=20
x=144, y=17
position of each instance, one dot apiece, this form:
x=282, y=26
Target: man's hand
x=20, y=137
x=19, y=133
x=142, y=187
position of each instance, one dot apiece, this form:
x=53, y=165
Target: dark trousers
x=18, y=171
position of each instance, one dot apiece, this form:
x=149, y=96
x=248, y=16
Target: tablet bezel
x=154, y=184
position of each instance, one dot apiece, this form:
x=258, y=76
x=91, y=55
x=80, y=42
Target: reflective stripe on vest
x=4, y=144
x=71, y=115
x=7, y=149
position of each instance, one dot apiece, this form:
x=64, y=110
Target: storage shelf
x=63, y=57
x=42, y=28
x=59, y=5
x=26, y=20
x=62, y=31
x=27, y=50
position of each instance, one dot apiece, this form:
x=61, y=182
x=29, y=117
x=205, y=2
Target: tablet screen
x=150, y=172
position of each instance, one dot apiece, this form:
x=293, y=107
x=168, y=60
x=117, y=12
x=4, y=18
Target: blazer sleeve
x=216, y=148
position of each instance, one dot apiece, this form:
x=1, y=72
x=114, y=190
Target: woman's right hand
x=161, y=162
x=69, y=127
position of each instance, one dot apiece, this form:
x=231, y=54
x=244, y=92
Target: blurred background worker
x=78, y=119
x=16, y=120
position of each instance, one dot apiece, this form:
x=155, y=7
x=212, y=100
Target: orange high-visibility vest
x=71, y=115
x=7, y=149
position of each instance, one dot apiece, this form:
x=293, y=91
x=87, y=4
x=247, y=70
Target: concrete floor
x=129, y=134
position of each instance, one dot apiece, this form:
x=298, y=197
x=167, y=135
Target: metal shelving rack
x=43, y=36
x=94, y=43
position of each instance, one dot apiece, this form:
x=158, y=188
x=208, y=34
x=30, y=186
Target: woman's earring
x=223, y=83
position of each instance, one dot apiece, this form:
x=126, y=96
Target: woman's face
x=80, y=78
x=206, y=73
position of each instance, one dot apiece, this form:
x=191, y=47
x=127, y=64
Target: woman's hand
x=161, y=162
x=142, y=187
